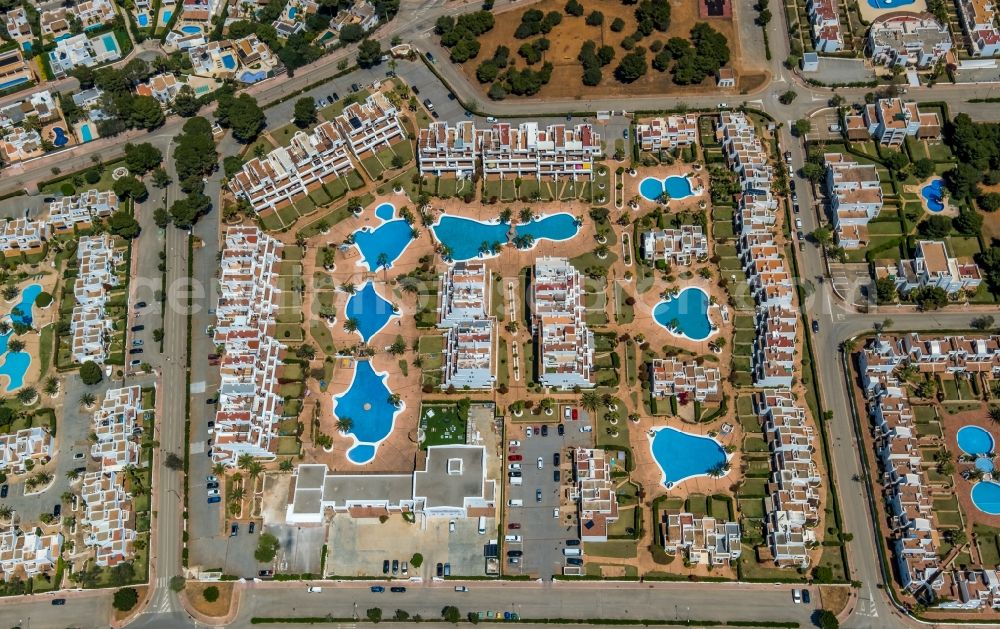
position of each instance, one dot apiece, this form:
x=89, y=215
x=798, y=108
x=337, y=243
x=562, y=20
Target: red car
x=575, y=415
x=513, y=526
x=515, y=457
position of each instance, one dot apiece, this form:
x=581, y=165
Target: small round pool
x=933, y=194
x=974, y=440
x=986, y=497
x=676, y=187
x=385, y=211
x=984, y=465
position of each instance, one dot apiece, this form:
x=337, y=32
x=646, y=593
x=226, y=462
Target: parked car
x=796, y=208
x=513, y=466
x=555, y=476
x=397, y=589
x=137, y=343
x=513, y=526
x=214, y=500
x=540, y=463
x=3, y=490
x=211, y=479
x=572, y=542
x=212, y=492
x=515, y=457
x=78, y=456
x=490, y=119
x=528, y=431
x=439, y=569
x=513, y=560
x=385, y=566
x=428, y=104
x=576, y=415
x=555, y=459
x=378, y=589
x=395, y=566
x=140, y=304
x=538, y=495
x=805, y=596
x=447, y=569
x=451, y=526
x=788, y=157
x=796, y=597
x=314, y=589
x=135, y=350
x=798, y=223
x=625, y=134
x=461, y=588
x=587, y=428
x=545, y=431
x=404, y=568
x=138, y=328
x=265, y=573
x=561, y=429
x=514, y=474
x=234, y=530
x=555, y=512
x=574, y=561
x=57, y=510
x=58, y=601
x=250, y=529
x=212, y=486
x=429, y=56
x=335, y=96
x=815, y=326
x=354, y=87
x=514, y=443
x=515, y=553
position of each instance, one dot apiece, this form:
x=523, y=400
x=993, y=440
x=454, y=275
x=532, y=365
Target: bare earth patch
x=834, y=597
x=567, y=38
x=193, y=593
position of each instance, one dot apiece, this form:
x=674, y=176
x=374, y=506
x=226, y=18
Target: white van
x=515, y=502
x=515, y=480
x=482, y=525
x=572, y=552
x=512, y=538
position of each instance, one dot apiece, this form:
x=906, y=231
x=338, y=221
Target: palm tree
x=244, y=461
x=15, y=345
x=525, y=215
x=394, y=399
x=51, y=386
x=344, y=424
x=236, y=494
x=27, y=395
x=6, y=512
x=72, y=475
x=506, y=215
x=66, y=496
x=4, y=327
x=348, y=287
x=995, y=413
x=590, y=401
x=848, y=346
x=87, y=399
x=351, y=325
x=219, y=469
x=255, y=469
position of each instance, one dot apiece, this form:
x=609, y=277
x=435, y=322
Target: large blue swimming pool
x=381, y=246
x=986, y=497
x=366, y=404
x=686, y=314
x=974, y=440
x=933, y=194
x=21, y=313
x=676, y=187
x=14, y=366
x=370, y=310
x=468, y=238
x=681, y=455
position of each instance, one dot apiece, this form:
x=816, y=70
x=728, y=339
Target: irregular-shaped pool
x=681, y=455
x=383, y=245
x=369, y=310
x=366, y=403
x=467, y=238
x=676, y=187
x=685, y=315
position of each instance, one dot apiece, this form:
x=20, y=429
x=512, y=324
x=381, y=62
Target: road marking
x=198, y=387
x=197, y=447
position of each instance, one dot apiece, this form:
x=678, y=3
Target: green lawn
x=442, y=424
x=989, y=544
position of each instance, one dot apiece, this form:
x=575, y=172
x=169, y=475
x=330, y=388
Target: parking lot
x=546, y=516
x=822, y=121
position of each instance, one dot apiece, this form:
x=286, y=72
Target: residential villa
x=907, y=40
x=14, y=70
x=556, y=152
x=28, y=444
x=79, y=50
x=40, y=106
x=25, y=554
x=162, y=87
x=594, y=493
x=667, y=133
x=452, y=484
x=703, y=540
x=250, y=406
x=565, y=343
x=686, y=380
x=18, y=27
x=361, y=13
x=855, y=197
x=824, y=17
x=677, y=246
x=371, y=126
x=979, y=21
x=293, y=17
x=445, y=149
x=932, y=266
x=291, y=172
x=20, y=144
x=891, y=121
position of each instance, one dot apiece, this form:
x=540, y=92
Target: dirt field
x=991, y=220
x=567, y=38
x=834, y=597
x=219, y=608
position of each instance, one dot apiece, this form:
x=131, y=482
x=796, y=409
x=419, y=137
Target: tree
x=417, y=559
x=801, y=127
x=487, y=71
x=129, y=186
x=369, y=53
x=929, y=297
x=989, y=202
x=923, y=168
x=787, y=97
x=968, y=222
x=90, y=373
x=596, y=18
x=173, y=462
x=344, y=424
x=827, y=619
x=211, y=593
x=813, y=172
x=177, y=583
x=632, y=66
x=823, y=236
x=984, y=322
x=186, y=103
x=617, y=25
x=267, y=548
x=241, y=114
x=374, y=614
x=885, y=290
x=935, y=226
x=160, y=178
x=15, y=345
x=305, y=112
x=574, y=8
x=351, y=33
x=895, y=160
x=142, y=158
x=125, y=599
x=823, y=574
x=87, y=399
x=652, y=14
x=451, y=614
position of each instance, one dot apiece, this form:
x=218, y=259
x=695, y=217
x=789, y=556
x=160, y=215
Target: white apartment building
x=686, y=379
x=594, y=493
x=107, y=518
x=703, y=540
x=25, y=554
x=891, y=120
x=825, y=20
x=249, y=405
x=907, y=40
x=371, y=126
x=91, y=330
x=979, y=19
x=463, y=294
x=468, y=355
x=290, y=173
x=676, y=246
x=667, y=133
x=22, y=235
x=566, y=344
x=527, y=151
x=34, y=444
x=81, y=209
x=114, y=425
x=855, y=196
x=932, y=266
x=445, y=149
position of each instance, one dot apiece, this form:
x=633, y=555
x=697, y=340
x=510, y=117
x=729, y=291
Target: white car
x=314, y=589
x=568, y=412
x=527, y=431
x=461, y=588
x=796, y=597
x=514, y=466
x=451, y=527
x=798, y=223
x=540, y=463
x=211, y=479
x=587, y=428
x=213, y=492
x=490, y=119
x=555, y=512
x=514, y=443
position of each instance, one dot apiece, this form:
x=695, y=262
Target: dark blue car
x=378, y=589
